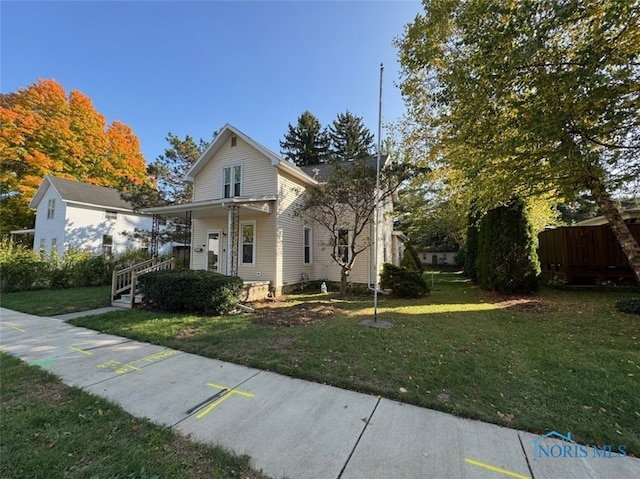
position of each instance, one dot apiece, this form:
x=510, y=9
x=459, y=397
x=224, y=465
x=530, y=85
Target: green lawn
x=49, y=302
x=51, y=430
x=575, y=368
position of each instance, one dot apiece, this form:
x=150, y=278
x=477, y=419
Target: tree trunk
x=344, y=278
x=620, y=229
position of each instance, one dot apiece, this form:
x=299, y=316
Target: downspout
x=228, y=265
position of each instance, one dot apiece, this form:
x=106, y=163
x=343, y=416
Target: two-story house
x=71, y=214
x=245, y=219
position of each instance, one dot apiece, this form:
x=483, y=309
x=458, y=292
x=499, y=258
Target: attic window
x=51, y=208
x=111, y=215
x=234, y=141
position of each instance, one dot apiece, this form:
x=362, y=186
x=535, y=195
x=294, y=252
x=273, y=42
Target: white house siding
x=326, y=268
x=363, y=271
x=447, y=257
x=85, y=226
x=258, y=174
x=265, y=264
x=265, y=260
x=48, y=229
x=200, y=231
x=290, y=260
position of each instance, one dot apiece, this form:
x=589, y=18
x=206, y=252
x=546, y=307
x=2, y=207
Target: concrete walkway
x=293, y=428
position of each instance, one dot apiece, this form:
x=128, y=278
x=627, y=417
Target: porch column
x=155, y=227
x=233, y=231
x=186, y=250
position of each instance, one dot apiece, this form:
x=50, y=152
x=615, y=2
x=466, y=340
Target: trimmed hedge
x=402, y=282
x=629, y=305
x=183, y=290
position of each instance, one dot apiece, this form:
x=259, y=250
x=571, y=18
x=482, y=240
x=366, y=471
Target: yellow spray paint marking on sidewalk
x=499, y=470
x=18, y=329
x=227, y=394
x=120, y=368
x=73, y=348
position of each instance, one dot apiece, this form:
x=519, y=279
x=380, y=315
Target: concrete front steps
x=125, y=301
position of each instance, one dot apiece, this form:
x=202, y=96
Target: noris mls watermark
x=570, y=449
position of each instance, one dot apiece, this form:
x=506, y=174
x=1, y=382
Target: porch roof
x=216, y=207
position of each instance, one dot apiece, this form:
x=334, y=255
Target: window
x=248, y=243
x=111, y=215
x=54, y=245
x=234, y=141
x=306, y=241
x=51, y=208
x=232, y=180
x=107, y=245
x=43, y=246
x=342, y=244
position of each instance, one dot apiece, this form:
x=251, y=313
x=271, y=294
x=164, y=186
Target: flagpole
x=377, y=200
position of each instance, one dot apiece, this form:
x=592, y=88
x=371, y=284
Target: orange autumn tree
x=45, y=132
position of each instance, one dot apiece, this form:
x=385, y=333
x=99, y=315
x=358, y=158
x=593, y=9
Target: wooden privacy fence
x=582, y=254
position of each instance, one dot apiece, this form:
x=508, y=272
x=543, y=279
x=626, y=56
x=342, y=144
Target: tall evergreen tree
x=350, y=139
x=307, y=143
x=507, y=260
x=169, y=169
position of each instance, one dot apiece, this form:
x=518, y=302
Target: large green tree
x=529, y=96
x=350, y=139
x=307, y=143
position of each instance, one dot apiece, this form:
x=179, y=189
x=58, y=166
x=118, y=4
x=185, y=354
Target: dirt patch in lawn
x=522, y=304
x=274, y=314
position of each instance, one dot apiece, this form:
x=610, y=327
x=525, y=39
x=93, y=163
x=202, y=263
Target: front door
x=213, y=251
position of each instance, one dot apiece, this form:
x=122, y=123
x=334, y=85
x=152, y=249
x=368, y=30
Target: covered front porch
x=231, y=236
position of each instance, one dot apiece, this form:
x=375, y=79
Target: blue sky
x=191, y=67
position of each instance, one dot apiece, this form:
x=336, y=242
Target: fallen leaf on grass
x=507, y=417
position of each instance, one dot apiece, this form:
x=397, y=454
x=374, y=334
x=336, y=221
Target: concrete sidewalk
x=293, y=428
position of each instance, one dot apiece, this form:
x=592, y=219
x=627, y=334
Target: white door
x=213, y=251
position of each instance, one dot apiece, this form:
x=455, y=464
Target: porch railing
x=126, y=280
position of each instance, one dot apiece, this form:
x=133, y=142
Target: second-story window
x=232, y=181
x=111, y=215
x=343, y=240
x=51, y=209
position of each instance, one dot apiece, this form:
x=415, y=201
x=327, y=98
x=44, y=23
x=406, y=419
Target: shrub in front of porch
x=181, y=290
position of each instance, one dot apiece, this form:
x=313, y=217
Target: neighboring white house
x=74, y=214
x=244, y=219
x=438, y=257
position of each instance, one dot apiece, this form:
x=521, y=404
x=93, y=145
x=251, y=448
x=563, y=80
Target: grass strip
x=50, y=302
x=50, y=430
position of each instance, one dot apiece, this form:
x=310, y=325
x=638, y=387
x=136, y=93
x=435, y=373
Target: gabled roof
x=228, y=131
x=322, y=171
x=82, y=193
